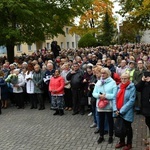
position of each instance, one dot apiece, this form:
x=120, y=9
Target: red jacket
x=56, y=85
x=116, y=77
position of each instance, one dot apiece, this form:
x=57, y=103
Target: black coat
x=76, y=79
x=144, y=88
x=4, y=89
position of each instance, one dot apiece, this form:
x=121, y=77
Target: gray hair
x=107, y=71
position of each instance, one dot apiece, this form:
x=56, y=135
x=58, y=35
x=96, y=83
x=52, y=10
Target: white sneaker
x=93, y=125
x=90, y=114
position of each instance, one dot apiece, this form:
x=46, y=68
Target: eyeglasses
x=103, y=73
x=124, y=78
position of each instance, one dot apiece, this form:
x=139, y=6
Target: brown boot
x=127, y=147
x=119, y=145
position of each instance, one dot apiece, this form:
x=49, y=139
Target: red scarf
x=120, y=95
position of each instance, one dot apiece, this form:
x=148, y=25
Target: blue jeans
x=98, y=121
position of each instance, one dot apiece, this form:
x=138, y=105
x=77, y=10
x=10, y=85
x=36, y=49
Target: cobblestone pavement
x=26, y=129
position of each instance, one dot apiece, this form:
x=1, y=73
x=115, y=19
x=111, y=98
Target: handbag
x=120, y=128
x=103, y=102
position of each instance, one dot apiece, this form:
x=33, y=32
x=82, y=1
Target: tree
x=129, y=31
x=30, y=20
x=136, y=11
x=88, y=40
x=107, y=31
x=90, y=21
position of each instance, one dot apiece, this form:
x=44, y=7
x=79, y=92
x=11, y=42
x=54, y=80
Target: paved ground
x=39, y=130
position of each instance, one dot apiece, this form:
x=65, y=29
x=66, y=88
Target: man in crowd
x=76, y=80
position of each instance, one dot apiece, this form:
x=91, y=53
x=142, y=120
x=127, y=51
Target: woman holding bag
x=123, y=106
x=105, y=89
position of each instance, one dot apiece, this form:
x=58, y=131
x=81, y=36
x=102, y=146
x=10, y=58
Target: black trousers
x=68, y=98
x=129, y=133
x=40, y=100
x=33, y=100
x=76, y=96
x=0, y=107
x=147, y=121
x=102, y=122
x=12, y=98
x=19, y=99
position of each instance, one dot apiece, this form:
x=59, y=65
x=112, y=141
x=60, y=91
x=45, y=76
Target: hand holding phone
x=147, y=74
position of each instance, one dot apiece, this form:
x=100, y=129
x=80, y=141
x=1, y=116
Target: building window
x=67, y=30
x=47, y=37
x=29, y=47
x=68, y=45
x=62, y=45
x=48, y=45
x=72, y=44
x=19, y=48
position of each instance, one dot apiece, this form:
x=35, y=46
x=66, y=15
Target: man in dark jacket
x=144, y=87
x=109, y=65
x=76, y=79
x=47, y=76
x=55, y=48
x=137, y=76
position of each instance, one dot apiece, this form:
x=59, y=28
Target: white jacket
x=20, y=83
x=29, y=83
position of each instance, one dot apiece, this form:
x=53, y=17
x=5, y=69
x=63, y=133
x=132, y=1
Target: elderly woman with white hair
x=123, y=105
x=105, y=90
x=17, y=88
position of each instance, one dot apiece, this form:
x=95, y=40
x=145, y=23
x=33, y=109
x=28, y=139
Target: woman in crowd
x=38, y=86
x=18, y=88
x=67, y=89
x=86, y=79
x=123, y=105
x=91, y=86
x=105, y=88
x=3, y=92
x=30, y=86
x=56, y=87
x=96, y=76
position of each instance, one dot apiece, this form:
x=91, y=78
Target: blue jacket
x=127, y=110
x=109, y=88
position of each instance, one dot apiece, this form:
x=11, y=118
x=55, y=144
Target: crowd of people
x=76, y=79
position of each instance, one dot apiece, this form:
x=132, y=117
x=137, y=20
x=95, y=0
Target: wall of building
x=146, y=37
x=65, y=42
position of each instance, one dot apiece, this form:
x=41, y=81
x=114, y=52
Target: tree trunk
x=10, y=52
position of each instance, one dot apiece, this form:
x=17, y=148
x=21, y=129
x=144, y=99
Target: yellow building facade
x=65, y=42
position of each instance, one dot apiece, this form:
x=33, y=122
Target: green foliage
x=88, y=40
x=30, y=20
x=107, y=32
x=129, y=31
x=136, y=11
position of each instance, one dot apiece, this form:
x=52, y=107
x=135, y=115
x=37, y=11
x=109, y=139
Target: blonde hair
x=1, y=73
x=98, y=68
x=107, y=71
x=125, y=74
